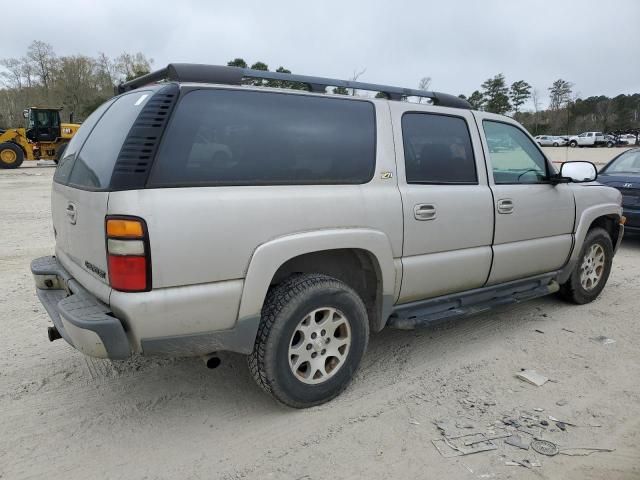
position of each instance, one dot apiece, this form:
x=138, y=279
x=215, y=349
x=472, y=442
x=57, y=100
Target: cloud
x=459, y=44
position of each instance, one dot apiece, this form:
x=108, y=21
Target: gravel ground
x=66, y=416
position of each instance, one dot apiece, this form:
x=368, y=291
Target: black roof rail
x=197, y=73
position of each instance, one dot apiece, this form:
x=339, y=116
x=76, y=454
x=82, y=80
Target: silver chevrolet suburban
x=202, y=210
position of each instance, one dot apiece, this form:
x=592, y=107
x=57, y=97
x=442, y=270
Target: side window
x=66, y=162
x=232, y=137
x=437, y=149
x=514, y=157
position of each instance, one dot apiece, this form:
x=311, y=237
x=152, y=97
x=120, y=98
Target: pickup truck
x=590, y=139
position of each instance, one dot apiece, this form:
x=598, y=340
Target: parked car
x=590, y=139
x=628, y=139
x=623, y=173
x=548, y=141
x=318, y=220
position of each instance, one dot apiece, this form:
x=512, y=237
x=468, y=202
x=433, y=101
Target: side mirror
x=579, y=172
x=25, y=113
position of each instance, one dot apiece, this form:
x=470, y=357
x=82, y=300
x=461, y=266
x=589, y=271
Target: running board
x=434, y=310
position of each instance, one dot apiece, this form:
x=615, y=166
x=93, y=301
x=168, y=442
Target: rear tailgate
x=80, y=193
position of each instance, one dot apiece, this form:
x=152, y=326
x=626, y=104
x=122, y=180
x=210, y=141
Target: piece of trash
x=567, y=330
x=450, y=447
x=414, y=422
x=583, y=452
x=539, y=409
x=562, y=426
x=539, y=331
x=532, y=377
x=522, y=463
x=493, y=437
x=545, y=447
x=561, y=403
x=467, y=467
x=554, y=419
x=602, y=340
x=544, y=423
x=517, y=441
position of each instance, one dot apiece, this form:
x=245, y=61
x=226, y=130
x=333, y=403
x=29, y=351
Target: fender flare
x=270, y=256
x=580, y=232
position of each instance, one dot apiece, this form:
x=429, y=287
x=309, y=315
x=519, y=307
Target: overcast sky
x=594, y=44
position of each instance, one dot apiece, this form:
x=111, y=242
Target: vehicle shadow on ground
x=230, y=390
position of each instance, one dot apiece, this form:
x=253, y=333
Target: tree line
x=79, y=83
x=566, y=112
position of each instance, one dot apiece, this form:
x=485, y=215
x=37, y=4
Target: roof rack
x=197, y=73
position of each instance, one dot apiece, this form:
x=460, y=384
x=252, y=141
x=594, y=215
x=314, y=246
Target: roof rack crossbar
x=190, y=72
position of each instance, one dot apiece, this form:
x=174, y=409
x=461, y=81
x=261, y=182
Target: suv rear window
x=93, y=166
x=234, y=137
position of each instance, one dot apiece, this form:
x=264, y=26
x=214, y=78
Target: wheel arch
x=362, y=258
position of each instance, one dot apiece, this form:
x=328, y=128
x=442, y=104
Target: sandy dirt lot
x=65, y=416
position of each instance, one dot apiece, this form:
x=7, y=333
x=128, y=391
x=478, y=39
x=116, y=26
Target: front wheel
x=312, y=336
x=11, y=155
x=592, y=270
x=556, y=144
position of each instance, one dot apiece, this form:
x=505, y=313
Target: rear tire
x=312, y=336
x=573, y=144
x=11, y=155
x=592, y=271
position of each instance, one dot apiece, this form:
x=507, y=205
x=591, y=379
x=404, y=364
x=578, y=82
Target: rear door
x=447, y=205
x=81, y=190
x=533, y=218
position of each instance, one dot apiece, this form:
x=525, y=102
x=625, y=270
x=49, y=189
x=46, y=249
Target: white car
x=549, y=141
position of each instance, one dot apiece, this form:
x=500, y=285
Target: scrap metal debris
x=583, y=452
x=532, y=377
x=455, y=446
x=602, y=340
x=517, y=441
x=545, y=447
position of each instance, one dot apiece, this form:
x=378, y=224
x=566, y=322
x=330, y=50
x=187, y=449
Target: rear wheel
x=11, y=155
x=556, y=144
x=592, y=270
x=312, y=336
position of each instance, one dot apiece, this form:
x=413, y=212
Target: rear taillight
x=128, y=254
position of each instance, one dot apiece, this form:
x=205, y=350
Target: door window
x=514, y=157
x=437, y=149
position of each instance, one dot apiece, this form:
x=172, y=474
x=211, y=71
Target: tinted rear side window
x=231, y=137
x=437, y=149
x=66, y=162
x=94, y=163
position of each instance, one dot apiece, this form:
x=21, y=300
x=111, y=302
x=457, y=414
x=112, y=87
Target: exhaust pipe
x=53, y=334
x=212, y=361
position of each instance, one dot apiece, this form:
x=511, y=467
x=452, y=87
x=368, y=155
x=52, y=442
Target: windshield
x=628, y=162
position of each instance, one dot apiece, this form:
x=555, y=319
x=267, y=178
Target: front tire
x=592, y=271
x=312, y=336
x=556, y=144
x=11, y=155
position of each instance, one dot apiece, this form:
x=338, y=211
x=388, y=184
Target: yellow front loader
x=44, y=138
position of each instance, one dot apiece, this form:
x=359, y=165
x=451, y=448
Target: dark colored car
x=623, y=173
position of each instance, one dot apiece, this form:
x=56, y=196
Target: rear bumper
x=82, y=320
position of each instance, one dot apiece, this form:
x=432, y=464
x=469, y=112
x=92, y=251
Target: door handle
x=72, y=213
x=505, y=205
x=424, y=211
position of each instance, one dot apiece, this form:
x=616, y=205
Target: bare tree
x=535, y=99
x=424, y=84
x=356, y=75
x=43, y=58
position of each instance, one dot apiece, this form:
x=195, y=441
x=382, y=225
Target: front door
x=447, y=206
x=534, y=218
